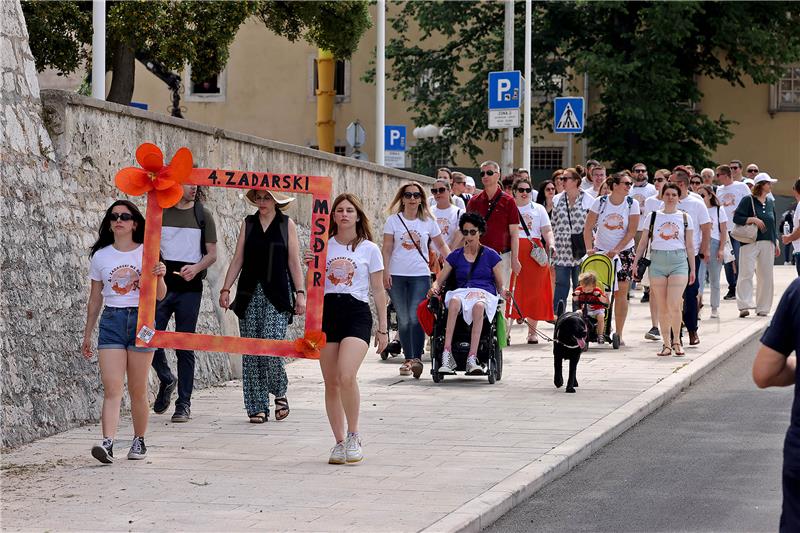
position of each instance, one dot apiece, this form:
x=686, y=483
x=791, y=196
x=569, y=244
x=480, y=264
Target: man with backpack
x=188, y=248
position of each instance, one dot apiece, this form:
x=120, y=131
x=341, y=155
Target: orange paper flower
x=309, y=346
x=165, y=180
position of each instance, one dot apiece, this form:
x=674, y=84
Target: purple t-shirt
x=482, y=276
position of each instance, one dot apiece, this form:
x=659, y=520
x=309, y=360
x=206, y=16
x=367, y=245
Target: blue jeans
x=713, y=268
x=406, y=293
x=565, y=275
x=731, y=275
x=690, y=304
x=186, y=307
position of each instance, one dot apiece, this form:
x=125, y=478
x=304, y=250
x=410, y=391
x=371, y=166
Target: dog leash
x=539, y=333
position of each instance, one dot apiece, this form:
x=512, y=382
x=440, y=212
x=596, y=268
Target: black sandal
x=258, y=418
x=281, y=408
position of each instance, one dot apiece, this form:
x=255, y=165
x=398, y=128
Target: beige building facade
x=267, y=90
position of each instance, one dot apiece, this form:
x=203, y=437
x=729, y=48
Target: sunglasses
x=735, y=167
x=561, y=179
x=547, y=189
x=659, y=180
x=524, y=190
x=466, y=232
x=440, y=190
x=125, y=217
x=752, y=170
x=640, y=170
x=695, y=182
x=459, y=181
x=626, y=183
x=410, y=195
x=488, y=173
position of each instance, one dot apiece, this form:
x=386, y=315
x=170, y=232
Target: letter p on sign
x=504, y=89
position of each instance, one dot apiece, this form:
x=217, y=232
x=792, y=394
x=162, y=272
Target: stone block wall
x=60, y=152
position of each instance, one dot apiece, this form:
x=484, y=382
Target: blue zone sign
x=505, y=90
x=395, y=138
x=568, y=114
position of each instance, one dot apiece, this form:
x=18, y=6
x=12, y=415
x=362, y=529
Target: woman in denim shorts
x=671, y=264
x=115, y=271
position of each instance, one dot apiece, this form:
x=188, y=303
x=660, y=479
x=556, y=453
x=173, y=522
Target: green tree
x=642, y=57
x=175, y=33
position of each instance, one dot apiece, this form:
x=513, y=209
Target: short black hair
x=472, y=218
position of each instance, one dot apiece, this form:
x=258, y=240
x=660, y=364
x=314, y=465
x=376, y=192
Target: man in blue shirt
x=774, y=366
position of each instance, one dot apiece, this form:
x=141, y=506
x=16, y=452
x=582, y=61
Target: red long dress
x=532, y=289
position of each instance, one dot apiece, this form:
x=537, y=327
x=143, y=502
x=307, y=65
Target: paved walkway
x=441, y=457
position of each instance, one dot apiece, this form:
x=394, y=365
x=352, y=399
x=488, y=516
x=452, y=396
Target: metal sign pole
x=507, y=159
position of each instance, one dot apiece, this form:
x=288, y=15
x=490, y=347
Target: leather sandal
x=281, y=408
x=665, y=351
x=258, y=418
x=678, y=349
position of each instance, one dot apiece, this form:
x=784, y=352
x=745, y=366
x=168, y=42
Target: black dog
x=570, y=341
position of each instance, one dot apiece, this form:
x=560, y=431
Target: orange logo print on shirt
x=614, y=222
x=444, y=226
x=669, y=231
x=407, y=243
x=528, y=221
x=341, y=271
x=124, y=279
x=728, y=199
x=639, y=198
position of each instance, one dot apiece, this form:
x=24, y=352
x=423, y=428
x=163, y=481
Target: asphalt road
x=708, y=461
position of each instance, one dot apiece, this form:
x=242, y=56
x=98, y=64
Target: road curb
x=485, y=509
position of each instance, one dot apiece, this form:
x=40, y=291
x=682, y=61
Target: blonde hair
x=587, y=279
x=396, y=206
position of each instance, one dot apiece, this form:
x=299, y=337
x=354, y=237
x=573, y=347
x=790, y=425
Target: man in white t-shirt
x=736, y=170
x=642, y=189
x=598, y=176
x=698, y=212
x=586, y=182
x=730, y=193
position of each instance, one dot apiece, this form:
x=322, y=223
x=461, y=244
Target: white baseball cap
x=469, y=181
x=763, y=176
x=748, y=181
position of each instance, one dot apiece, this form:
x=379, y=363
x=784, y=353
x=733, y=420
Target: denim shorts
x=118, y=329
x=665, y=263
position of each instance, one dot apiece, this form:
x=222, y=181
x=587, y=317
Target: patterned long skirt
x=262, y=375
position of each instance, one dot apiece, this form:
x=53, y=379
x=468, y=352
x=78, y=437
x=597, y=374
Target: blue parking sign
x=568, y=114
x=394, y=138
x=505, y=90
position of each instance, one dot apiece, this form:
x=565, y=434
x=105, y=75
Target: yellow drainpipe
x=326, y=95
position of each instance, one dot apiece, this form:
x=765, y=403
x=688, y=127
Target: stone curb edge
x=485, y=509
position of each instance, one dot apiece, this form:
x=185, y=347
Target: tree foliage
x=643, y=59
x=175, y=33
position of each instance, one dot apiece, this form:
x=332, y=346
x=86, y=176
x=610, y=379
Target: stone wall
x=60, y=154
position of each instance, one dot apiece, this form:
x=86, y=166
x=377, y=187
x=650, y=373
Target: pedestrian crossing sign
x=568, y=114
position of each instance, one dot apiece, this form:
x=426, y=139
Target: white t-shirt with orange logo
x=448, y=221
x=536, y=218
x=406, y=260
x=669, y=231
x=120, y=273
x=613, y=222
x=730, y=196
x=347, y=271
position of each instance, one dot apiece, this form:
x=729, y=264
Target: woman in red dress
x=532, y=288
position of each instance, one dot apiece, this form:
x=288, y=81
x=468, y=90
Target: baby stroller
x=606, y=271
x=490, y=356
x=393, y=348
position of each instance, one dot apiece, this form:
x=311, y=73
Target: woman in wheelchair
x=478, y=278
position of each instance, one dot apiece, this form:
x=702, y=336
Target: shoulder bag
x=538, y=253
x=575, y=239
x=746, y=233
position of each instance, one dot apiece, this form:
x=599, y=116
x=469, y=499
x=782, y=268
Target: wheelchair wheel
x=499, y=359
x=437, y=377
x=615, y=341
x=491, y=373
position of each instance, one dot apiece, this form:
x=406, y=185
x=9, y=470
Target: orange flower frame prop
x=308, y=347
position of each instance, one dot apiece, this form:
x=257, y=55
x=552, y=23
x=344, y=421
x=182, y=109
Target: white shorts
x=469, y=297
x=596, y=312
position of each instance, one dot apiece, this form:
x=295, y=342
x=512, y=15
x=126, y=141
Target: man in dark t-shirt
x=774, y=366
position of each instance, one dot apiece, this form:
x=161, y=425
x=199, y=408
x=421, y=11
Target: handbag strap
x=492, y=206
x=650, y=233
x=410, y=236
x=527, y=232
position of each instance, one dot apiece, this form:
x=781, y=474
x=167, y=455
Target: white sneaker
x=338, y=455
x=352, y=448
x=472, y=365
x=714, y=314
x=448, y=363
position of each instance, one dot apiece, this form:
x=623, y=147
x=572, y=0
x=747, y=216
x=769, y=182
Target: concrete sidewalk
x=446, y=457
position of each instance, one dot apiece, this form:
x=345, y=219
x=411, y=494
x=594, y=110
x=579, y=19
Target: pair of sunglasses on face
x=488, y=173
x=125, y=217
x=440, y=190
x=410, y=195
x=524, y=190
x=466, y=232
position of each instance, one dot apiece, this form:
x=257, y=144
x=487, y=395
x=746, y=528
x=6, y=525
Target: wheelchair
x=490, y=355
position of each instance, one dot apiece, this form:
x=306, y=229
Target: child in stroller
x=594, y=301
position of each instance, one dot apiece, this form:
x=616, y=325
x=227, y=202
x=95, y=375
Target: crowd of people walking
x=509, y=240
